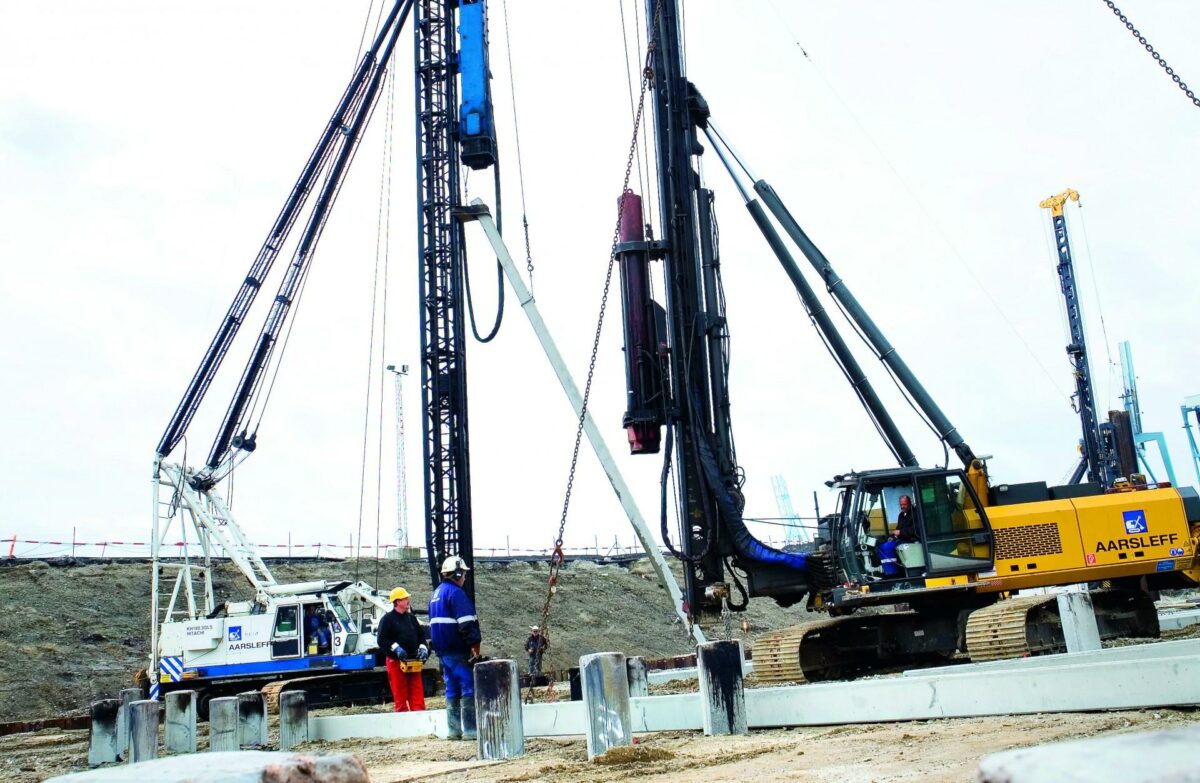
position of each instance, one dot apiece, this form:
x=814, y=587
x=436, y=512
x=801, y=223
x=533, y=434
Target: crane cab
x=949, y=534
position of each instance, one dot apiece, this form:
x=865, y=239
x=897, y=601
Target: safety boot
x=468, y=717
x=454, y=718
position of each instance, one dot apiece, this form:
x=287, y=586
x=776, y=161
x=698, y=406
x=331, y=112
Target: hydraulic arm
x=331, y=157
x=838, y=288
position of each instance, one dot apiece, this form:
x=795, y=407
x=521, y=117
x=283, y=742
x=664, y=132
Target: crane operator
x=904, y=532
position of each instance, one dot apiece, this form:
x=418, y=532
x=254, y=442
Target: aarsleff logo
x=1135, y=522
x=235, y=633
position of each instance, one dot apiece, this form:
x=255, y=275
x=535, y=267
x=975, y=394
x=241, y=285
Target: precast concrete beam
x=179, y=736
x=722, y=694
x=1173, y=621
x=1144, y=757
x=1133, y=652
x=1108, y=683
x=293, y=719
x=606, y=702
x=103, y=747
x=500, y=732
x=252, y=720
x=384, y=725
x=672, y=712
x=560, y=719
x=1158, y=682
x=659, y=676
x=143, y=730
x=223, y=724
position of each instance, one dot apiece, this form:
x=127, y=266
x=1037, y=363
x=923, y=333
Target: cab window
x=957, y=538
x=286, y=621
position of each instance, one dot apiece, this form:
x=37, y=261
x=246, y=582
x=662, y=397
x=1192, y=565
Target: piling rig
x=974, y=540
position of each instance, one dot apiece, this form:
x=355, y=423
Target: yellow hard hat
x=454, y=564
x=399, y=594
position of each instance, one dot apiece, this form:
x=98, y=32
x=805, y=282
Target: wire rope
x=383, y=227
x=512, y=90
x=1099, y=303
x=375, y=307
x=962, y=262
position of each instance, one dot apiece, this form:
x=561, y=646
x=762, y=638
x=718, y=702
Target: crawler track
x=1003, y=629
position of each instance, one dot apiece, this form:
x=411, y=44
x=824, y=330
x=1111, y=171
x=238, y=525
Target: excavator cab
x=950, y=528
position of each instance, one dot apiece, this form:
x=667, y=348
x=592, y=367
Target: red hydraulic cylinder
x=644, y=413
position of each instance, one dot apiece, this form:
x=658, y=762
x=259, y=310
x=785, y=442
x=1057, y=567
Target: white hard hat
x=454, y=564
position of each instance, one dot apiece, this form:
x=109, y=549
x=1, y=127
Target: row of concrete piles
x=608, y=682
x=127, y=729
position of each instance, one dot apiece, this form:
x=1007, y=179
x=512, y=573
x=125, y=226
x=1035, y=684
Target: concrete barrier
x=103, y=747
x=128, y=696
x=252, y=720
x=501, y=729
x=180, y=733
x=223, y=724
x=143, y=730
x=639, y=682
x=1078, y=618
x=722, y=693
x=606, y=702
x=293, y=719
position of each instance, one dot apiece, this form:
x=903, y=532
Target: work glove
x=423, y=653
x=476, y=656
x=399, y=652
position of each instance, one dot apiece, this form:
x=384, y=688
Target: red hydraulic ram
x=644, y=321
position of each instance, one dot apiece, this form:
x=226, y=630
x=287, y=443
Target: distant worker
x=535, y=645
x=402, y=640
x=454, y=632
x=904, y=532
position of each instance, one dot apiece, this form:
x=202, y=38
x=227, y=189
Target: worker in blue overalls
x=454, y=633
x=905, y=532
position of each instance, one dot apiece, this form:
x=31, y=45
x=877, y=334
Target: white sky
x=145, y=149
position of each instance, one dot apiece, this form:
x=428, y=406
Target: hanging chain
x=557, y=558
x=528, y=253
x=1157, y=57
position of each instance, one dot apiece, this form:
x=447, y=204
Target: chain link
x=557, y=558
x=1157, y=57
x=528, y=253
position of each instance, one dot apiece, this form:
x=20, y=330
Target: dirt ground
x=945, y=751
x=71, y=634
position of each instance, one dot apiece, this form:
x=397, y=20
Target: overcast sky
x=145, y=149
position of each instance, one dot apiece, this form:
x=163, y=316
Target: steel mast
x=442, y=125
x=1098, y=462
